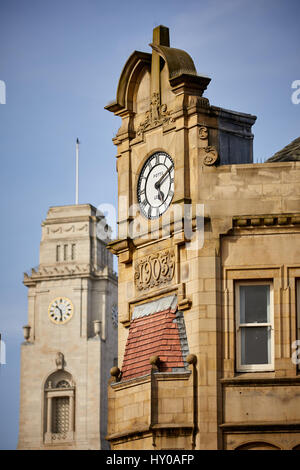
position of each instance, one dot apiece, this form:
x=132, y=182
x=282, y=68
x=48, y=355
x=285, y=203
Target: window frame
x=238, y=328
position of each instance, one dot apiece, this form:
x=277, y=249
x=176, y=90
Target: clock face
x=114, y=315
x=155, y=188
x=60, y=310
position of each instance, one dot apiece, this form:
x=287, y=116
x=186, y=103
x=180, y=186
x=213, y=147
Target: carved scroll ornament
x=211, y=156
x=209, y=153
x=154, y=269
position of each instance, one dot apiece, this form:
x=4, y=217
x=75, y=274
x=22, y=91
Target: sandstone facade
x=239, y=257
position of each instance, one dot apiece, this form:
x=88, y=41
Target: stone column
x=49, y=414
x=71, y=408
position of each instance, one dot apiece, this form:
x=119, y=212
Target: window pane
x=60, y=416
x=255, y=304
x=255, y=345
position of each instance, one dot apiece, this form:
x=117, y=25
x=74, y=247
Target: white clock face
x=60, y=310
x=155, y=188
x=114, y=315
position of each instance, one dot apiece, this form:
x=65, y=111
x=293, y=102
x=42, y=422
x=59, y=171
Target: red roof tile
x=152, y=335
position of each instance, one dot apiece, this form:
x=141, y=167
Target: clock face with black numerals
x=60, y=310
x=155, y=189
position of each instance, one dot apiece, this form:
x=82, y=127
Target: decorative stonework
x=154, y=270
x=208, y=153
x=211, y=156
x=42, y=272
x=59, y=361
x=203, y=133
x=157, y=115
x=64, y=228
x=266, y=221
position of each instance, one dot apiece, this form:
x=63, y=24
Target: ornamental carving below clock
x=154, y=270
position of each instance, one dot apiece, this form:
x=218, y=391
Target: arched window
x=257, y=446
x=59, y=408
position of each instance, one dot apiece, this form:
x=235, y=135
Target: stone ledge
x=260, y=381
x=266, y=220
x=168, y=427
x=253, y=427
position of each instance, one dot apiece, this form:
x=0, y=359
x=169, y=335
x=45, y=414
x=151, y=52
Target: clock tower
x=71, y=337
x=171, y=148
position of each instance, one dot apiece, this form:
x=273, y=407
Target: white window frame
x=238, y=325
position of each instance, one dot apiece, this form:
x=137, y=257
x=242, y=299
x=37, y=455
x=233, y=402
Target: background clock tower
x=71, y=337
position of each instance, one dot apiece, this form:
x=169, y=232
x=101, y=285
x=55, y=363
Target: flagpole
x=77, y=178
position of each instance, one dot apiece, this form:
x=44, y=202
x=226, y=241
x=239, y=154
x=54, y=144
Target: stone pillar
x=71, y=422
x=49, y=414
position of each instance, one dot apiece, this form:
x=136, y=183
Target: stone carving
x=66, y=229
x=42, y=271
x=84, y=227
x=63, y=384
x=157, y=115
x=154, y=270
x=211, y=156
x=58, y=229
x=203, y=133
x=59, y=360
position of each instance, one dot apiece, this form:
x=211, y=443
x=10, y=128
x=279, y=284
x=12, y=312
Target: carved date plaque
x=154, y=269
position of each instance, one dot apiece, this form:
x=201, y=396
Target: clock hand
x=60, y=311
x=161, y=195
x=161, y=179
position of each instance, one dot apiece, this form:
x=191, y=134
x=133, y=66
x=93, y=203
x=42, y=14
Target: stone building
x=71, y=337
x=209, y=269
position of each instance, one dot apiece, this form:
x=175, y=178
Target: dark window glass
x=255, y=304
x=255, y=345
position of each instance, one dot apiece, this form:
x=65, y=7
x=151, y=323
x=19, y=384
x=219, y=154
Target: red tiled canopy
x=154, y=334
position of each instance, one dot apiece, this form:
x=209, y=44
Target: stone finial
x=115, y=372
x=154, y=361
x=191, y=359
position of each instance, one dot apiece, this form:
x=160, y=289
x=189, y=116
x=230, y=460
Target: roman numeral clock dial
x=60, y=310
x=155, y=189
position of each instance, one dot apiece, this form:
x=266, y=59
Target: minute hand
x=158, y=183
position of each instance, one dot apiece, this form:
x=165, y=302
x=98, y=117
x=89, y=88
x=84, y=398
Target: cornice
x=266, y=220
x=47, y=273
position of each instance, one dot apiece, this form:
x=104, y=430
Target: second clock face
x=60, y=310
x=156, y=185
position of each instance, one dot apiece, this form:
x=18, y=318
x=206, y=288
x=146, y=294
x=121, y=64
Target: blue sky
x=61, y=60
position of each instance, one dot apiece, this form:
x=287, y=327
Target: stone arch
x=257, y=445
x=58, y=376
x=59, y=407
x=128, y=79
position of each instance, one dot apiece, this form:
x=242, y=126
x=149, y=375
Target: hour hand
x=161, y=195
x=161, y=179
